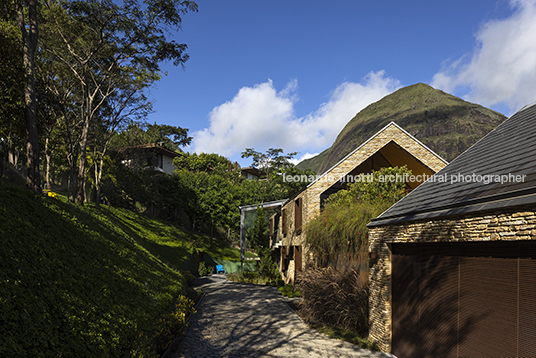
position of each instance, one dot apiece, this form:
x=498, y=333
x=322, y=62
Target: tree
x=203, y=162
x=25, y=13
x=101, y=42
x=170, y=137
x=274, y=159
x=258, y=234
x=126, y=104
x=11, y=94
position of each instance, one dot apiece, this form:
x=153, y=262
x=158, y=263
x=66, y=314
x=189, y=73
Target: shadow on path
x=242, y=320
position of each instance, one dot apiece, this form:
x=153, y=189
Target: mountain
x=446, y=124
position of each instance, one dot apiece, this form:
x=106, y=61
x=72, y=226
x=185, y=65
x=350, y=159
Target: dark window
x=284, y=222
x=298, y=203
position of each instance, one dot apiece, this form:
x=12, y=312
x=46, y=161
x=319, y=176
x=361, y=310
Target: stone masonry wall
x=311, y=196
x=505, y=224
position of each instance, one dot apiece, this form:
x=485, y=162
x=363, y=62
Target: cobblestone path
x=241, y=320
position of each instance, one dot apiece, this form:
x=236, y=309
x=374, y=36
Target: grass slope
x=445, y=123
x=82, y=282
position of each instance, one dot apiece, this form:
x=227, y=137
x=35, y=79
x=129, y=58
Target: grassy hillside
x=445, y=123
x=85, y=283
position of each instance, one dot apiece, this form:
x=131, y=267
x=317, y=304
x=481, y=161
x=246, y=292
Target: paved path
x=241, y=320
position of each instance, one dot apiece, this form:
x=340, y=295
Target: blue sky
x=290, y=74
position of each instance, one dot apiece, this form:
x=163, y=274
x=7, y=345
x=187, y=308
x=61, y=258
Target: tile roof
x=507, y=153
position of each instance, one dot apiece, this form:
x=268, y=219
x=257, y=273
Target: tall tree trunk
x=98, y=173
x=81, y=178
x=29, y=37
x=48, y=157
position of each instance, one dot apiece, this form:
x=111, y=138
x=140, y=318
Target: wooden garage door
x=464, y=299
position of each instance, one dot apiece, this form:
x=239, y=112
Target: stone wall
x=505, y=224
x=311, y=196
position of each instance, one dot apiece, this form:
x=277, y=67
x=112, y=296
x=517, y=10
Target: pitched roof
x=390, y=124
x=387, y=134
x=472, y=181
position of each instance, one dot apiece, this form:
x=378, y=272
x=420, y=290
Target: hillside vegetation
x=446, y=124
x=81, y=282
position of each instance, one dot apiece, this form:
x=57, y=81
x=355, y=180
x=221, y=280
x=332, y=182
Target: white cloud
x=260, y=117
x=502, y=67
x=307, y=155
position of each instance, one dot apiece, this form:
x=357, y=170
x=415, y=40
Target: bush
x=339, y=234
x=155, y=342
x=204, y=269
x=246, y=277
x=266, y=267
x=334, y=298
x=289, y=291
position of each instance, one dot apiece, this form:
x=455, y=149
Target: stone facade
x=311, y=196
x=505, y=224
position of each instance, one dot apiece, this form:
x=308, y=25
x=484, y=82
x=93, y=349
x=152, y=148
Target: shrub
x=289, y=291
x=155, y=342
x=266, y=267
x=334, y=298
x=340, y=232
x=246, y=277
x=204, y=269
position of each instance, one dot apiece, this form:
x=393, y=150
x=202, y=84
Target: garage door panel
x=439, y=306
x=405, y=291
x=527, y=308
x=488, y=307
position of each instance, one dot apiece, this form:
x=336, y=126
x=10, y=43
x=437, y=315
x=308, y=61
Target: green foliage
x=204, y=269
x=289, y=291
x=204, y=162
x=292, y=187
x=266, y=267
x=340, y=231
x=170, y=137
x=12, y=84
x=387, y=186
x=154, y=343
x=84, y=282
x=246, y=277
x=258, y=235
x=345, y=335
x=274, y=159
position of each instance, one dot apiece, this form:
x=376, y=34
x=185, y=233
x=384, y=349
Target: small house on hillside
x=391, y=146
x=250, y=173
x=453, y=264
x=150, y=155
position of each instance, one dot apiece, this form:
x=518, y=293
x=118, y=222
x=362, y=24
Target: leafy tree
x=102, y=43
x=170, y=137
x=24, y=14
x=258, y=234
x=11, y=93
x=274, y=159
x=207, y=163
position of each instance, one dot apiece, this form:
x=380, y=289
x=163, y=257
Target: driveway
x=242, y=320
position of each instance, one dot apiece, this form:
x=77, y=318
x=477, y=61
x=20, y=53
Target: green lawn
x=85, y=282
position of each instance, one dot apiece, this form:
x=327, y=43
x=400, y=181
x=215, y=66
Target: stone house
x=453, y=264
x=391, y=146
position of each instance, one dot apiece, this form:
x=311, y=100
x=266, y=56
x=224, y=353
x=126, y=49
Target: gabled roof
x=507, y=154
x=387, y=138
x=391, y=124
